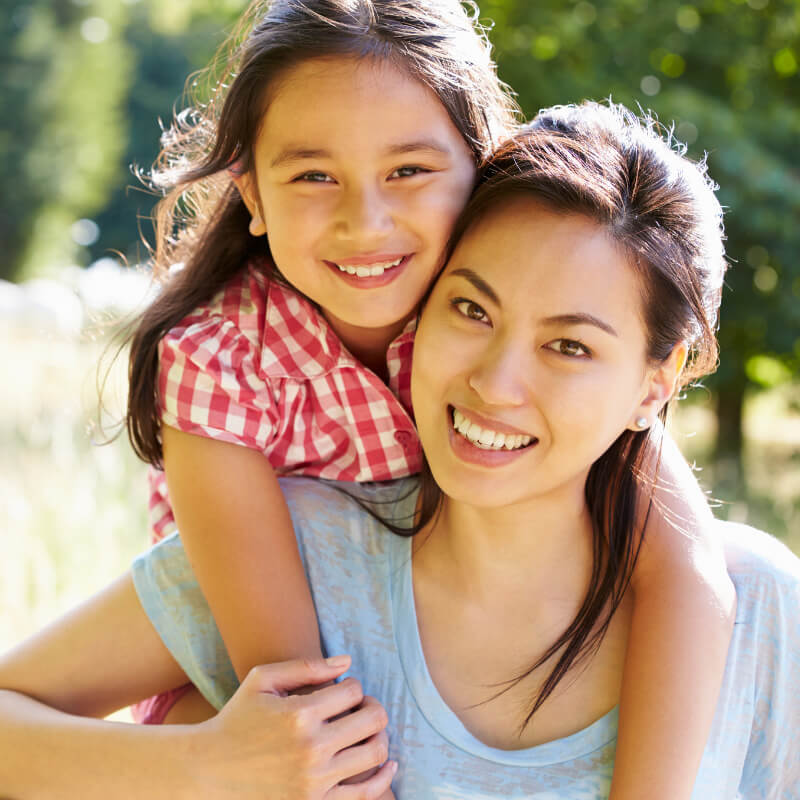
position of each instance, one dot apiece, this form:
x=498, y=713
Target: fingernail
x=394, y=767
x=337, y=661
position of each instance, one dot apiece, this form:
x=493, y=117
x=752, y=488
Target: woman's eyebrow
x=580, y=318
x=479, y=283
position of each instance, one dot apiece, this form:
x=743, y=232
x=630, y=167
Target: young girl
x=322, y=186
x=586, y=266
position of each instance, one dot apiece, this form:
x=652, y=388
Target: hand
x=265, y=744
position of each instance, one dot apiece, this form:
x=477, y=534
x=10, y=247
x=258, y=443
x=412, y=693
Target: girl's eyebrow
x=293, y=153
x=431, y=145
x=290, y=154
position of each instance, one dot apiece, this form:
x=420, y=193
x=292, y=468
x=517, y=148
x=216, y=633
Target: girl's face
x=359, y=176
x=530, y=358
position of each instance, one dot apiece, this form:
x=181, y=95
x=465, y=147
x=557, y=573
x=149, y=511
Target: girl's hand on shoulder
x=301, y=747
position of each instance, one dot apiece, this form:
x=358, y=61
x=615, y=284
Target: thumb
x=285, y=676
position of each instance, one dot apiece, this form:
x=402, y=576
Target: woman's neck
x=543, y=546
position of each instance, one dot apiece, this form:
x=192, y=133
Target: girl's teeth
x=487, y=439
x=371, y=271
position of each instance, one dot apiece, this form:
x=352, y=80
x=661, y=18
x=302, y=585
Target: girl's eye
x=570, y=348
x=408, y=172
x=469, y=309
x=313, y=177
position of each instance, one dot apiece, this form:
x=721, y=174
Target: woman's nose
x=364, y=215
x=499, y=377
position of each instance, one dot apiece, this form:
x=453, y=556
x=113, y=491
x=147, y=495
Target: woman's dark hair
x=202, y=223
x=604, y=163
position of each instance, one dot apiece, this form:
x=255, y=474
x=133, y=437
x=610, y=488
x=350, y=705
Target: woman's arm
x=684, y=606
x=105, y=654
x=238, y=536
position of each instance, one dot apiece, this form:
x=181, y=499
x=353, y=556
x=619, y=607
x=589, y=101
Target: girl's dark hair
x=202, y=223
x=604, y=163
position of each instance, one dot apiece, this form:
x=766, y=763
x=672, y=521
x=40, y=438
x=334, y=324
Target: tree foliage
x=87, y=80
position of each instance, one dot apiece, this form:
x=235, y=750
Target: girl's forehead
x=315, y=85
x=345, y=105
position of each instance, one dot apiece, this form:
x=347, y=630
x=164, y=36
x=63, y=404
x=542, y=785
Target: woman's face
x=530, y=358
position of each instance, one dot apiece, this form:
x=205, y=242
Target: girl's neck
x=368, y=345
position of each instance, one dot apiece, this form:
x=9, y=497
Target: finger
x=333, y=700
x=361, y=758
x=367, y=720
x=362, y=776
x=287, y=675
x=371, y=789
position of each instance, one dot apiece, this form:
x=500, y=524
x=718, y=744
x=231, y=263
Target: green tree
x=65, y=70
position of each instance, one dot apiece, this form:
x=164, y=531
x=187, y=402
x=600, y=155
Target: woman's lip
x=479, y=456
x=371, y=281
x=489, y=424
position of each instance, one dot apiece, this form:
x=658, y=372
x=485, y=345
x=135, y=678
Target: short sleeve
x=173, y=601
x=210, y=381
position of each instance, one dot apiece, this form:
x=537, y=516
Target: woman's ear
x=660, y=387
x=248, y=190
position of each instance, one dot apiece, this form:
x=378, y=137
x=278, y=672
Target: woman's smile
x=479, y=440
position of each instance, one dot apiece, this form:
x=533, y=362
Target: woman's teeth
x=372, y=270
x=486, y=439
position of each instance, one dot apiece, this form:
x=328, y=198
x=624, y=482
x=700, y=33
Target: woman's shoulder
x=334, y=517
x=766, y=574
x=755, y=554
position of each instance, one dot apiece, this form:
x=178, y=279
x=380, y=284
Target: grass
x=76, y=512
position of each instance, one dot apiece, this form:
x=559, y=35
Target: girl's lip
x=369, y=259
x=371, y=281
x=464, y=450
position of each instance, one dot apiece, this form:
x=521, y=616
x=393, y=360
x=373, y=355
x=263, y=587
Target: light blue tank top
x=360, y=579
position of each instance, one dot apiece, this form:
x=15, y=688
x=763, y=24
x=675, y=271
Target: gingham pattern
x=259, y=366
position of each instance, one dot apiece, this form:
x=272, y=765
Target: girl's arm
x=105, y=654
x=238, y=535
x=684, y=606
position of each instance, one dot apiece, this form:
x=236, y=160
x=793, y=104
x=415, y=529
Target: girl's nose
x=364, y=215
x=499, y=377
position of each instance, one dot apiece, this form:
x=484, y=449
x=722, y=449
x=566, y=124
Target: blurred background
x=85, y=86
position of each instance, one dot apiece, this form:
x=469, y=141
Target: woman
x=582, y=290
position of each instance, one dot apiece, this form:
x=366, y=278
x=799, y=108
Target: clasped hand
x=267, y=744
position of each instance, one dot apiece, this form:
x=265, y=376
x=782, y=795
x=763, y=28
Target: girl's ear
x=246, y=185
x=660, y=387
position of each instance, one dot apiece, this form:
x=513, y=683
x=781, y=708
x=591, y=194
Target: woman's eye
x=313, y=177
x=469, y=309
x=408, y=172
x=569, y=347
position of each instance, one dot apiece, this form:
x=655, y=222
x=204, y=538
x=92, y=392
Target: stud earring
x=641, y=423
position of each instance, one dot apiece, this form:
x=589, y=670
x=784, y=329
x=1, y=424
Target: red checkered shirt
x=259, y=366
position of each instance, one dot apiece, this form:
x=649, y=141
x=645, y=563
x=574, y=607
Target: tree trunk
x=728, y=452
